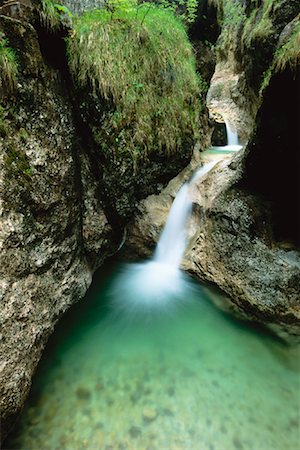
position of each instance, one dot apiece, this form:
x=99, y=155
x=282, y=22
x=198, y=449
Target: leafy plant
x=185, y=9
x=289, y=53
x=8, y=65
x=51, y=14
x=139, y=60
x=260, y=25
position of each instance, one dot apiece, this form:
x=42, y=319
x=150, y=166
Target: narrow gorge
x=106, y=110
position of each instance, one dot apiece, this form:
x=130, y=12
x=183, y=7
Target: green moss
x=141, y=62
x=259, y=25
x=289, y=53
x=3, y=127
x=231, y=13
x=8, y=65
x=17, y=165
x=51, y=14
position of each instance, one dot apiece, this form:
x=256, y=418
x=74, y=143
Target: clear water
x=191, y=378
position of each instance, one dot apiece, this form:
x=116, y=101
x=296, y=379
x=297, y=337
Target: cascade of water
x=232, y=136
x=232, y=140
x=154, y=285
x=172, y=242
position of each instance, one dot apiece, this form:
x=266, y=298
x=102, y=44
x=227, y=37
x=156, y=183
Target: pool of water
x=189, y=378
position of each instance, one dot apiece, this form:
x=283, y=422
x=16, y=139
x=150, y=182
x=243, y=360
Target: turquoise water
x=188, y=378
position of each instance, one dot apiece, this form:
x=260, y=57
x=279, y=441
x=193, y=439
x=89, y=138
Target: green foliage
x=289, y=53
x=3, y=127
x=17, y=165
x=141, y=62
x=185, y=9
x=231, y=13
x=191, y=6
x=259, y=25
x=51, y=14
x=8, y=65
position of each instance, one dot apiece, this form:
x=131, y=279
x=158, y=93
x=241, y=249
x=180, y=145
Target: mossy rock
x=140, y=99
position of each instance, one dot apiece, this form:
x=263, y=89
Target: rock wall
x=53, y=231
x=250, y=35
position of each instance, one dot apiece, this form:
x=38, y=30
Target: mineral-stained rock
x=53, y=233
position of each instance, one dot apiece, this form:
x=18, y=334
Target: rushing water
x=189, y=379
x=232, y=140
x=232, y=136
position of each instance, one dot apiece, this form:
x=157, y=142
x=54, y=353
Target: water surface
x=188, y=378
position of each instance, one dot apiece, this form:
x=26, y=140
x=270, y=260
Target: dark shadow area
x=219, y=137
x=53, y=48
x=205, y=27
x=273, y=163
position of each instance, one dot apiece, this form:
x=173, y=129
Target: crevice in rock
x=53, y=48
x=206, y=26
x=272, y=164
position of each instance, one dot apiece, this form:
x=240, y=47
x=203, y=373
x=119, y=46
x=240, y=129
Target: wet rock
x=51, y=231
x=167, y=412
x=99, y=386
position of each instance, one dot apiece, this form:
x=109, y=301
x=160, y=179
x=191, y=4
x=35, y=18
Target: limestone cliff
x=251, y=32
x=53, y=231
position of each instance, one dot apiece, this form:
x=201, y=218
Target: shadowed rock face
x=272, y=164
x=53, y=231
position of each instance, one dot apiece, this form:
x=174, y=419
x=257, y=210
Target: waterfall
x=172, y=242
x=232, y=136
x=232, y=140
x=143, y=289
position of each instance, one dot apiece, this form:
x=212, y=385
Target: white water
x=232, y=139
x=203, y=170
x=172, y=242
x=232, y=136
x=143, y=289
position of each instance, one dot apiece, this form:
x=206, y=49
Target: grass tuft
x=51, y=14
x=289, y=53
x=142, y=63
x=8, y=65
x=259, y=25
